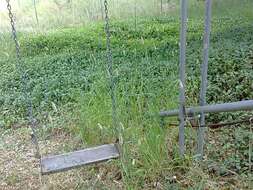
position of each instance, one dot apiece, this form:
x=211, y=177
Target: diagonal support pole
x=182, y=75
x=204, y=69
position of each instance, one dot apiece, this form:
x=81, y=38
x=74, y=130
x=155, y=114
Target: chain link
x=24, y=81
x=111, y=75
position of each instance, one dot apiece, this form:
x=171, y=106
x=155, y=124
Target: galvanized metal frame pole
x=182, y=75
x=250, y=147
x=204, y=70
x=35, y=11
x=245, y=105
x=161, y=6
x=102, y=9
x=135, y=15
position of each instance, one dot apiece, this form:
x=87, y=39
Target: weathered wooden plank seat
x=58, y=163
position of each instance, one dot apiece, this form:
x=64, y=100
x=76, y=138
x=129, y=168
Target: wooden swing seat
x=67, y=161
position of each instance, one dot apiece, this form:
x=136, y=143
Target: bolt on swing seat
x=67, y=161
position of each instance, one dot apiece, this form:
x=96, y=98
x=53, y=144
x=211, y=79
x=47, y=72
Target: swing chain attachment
x=111, y=75
x=14, y=32
x=24, y=81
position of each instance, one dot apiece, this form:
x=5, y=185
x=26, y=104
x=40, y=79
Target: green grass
x=68, y=80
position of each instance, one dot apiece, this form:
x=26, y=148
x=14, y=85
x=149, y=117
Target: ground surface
x=20, y=170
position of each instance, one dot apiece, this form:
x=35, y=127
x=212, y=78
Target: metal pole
x=250, y=148
x=161, y=4
x=35, y=11
x=204, y=69
x=216, y=108
x=182, y=75
x=135, y=15
x=102, y=9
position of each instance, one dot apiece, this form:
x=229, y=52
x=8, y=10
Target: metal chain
x=110, y=71
x=24, y=81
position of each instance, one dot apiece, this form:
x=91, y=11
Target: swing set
x=63, y=162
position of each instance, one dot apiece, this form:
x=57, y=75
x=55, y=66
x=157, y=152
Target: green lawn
x=68, y=82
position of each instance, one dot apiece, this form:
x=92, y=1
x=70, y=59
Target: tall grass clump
x=68, y=72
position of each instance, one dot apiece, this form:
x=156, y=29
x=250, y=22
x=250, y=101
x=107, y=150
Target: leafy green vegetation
x=69, y=84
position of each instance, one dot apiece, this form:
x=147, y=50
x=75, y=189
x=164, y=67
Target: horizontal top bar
x=216, y=108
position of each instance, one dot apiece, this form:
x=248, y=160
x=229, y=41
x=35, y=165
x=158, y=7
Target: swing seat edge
x=88, y=156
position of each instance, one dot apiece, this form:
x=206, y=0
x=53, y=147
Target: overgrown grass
x=67, y=72
x=69, y=83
